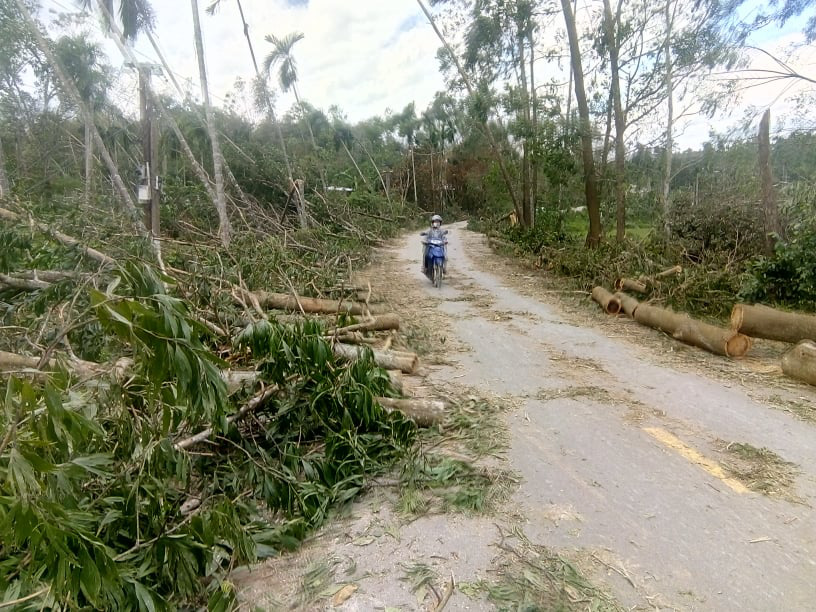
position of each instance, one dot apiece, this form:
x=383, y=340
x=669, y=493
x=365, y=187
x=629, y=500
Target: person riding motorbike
x=434, y=233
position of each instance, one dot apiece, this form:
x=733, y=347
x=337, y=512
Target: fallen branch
x=60, y=237
x=607, y=301
x=800, y=362
x=390, y=360
x=691, y=331
x=253, y=404
x=23, y=284
x=764, y=322
x=424, y=413
x=13, y=362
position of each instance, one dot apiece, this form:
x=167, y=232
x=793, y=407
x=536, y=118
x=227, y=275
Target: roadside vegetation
x=135, y=473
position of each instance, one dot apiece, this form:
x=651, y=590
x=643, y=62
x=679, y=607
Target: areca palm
x=282, y=57
x=266, y=98
x=135, y=16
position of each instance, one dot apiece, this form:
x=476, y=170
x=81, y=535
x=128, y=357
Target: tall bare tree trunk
x=526, y=219
x=413, y=175
x=354, y=161
x=773, y=226
x=4, y=182
x=612, y=25
x=494, y=147
x=224, y=228
x=593, y=238
x=88, y=160
x=667, y=160
x=320, y=168
x=534, y=161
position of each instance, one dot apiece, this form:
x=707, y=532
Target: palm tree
x=282, y=56
x=135, y=16
x=218, y=159
x=267, y=99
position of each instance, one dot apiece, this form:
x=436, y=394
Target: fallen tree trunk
x=13, y=362
x=404, y=362
x=800, y=362
x=628, y=304
x=424, y=413
x=23, y=284
x=765, y=322
x=691, y=331
x=629, y=284
x=610, y=303
x=60, y=237
x=379, y=323
x=285, y=301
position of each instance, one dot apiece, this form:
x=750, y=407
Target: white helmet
x=436, y=218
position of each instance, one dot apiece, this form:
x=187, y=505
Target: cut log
x=285, y=301
x=800, y=362
x=379, y=323
x=608, y=302
x=629, y=284
x=628, y=304
x=396, y=380
x=673, y=271
x=765, y=322
x=653, y=280
x=407, y=362
x=424, y=413
x=682, y=327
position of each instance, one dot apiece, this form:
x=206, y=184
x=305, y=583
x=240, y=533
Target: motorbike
x=436, y=256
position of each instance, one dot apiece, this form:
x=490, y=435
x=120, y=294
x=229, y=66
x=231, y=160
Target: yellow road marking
x=674, y=443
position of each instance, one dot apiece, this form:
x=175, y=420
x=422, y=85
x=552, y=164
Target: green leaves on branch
x=99, y=510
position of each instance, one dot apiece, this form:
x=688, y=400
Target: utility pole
x=150, y=182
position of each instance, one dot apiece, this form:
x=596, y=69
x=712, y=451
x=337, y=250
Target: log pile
x=350, y=342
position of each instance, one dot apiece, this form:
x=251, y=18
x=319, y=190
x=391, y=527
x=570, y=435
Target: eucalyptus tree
x=72, y=92
x=500, y=45
x=281, y=56
x=593, y=238
x=224, y=228
x=698, y=36
x=449, y=55
x=83, y=61
x=16, y=53
x=612, y=26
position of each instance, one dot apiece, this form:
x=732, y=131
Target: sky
x=367, y=56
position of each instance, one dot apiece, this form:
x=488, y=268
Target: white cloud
x=363, y=56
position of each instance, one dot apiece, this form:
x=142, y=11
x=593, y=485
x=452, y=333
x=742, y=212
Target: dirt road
x=683, y=481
